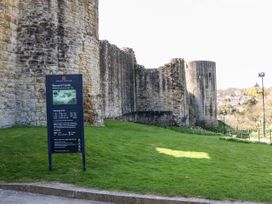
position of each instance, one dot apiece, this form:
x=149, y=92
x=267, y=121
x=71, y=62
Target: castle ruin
x=39, y=37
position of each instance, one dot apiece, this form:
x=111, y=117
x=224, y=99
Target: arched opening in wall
x=206, y=109
x=207, y=81
x=211, y=108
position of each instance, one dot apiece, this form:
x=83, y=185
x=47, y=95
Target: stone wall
x=201, y=85
x=117, y=80
x=133, y=93
x=9, y=11
x=51, y=37
x=162, y=93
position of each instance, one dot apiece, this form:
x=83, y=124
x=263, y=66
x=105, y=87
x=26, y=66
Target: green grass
x=196, y=131
x=123, y=156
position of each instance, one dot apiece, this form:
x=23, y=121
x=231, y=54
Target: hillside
x=243, y=108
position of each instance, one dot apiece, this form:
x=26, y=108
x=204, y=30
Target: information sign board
x=65, y=124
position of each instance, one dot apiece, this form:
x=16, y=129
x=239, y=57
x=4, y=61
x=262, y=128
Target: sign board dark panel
x=64, y=100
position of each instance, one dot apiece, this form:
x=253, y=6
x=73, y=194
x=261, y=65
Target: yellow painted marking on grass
x=184, y=154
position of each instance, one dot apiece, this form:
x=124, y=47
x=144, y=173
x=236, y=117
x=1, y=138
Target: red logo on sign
x=63, y=78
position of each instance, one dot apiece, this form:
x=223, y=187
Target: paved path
x=19, y=197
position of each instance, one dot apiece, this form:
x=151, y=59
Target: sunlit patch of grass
x=185, y=154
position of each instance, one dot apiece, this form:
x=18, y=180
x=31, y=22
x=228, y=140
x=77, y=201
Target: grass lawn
x=144, y=159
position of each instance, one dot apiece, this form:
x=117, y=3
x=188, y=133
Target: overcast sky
x=236, y=34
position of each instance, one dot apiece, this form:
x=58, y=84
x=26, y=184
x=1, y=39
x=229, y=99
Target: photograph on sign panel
x=64, y=97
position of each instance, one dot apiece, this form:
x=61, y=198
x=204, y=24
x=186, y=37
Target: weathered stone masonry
x=40, y=37
x=161, y=94
x=201, y=84
x=9, y=11
x=47, y=37
x=131, y=92
x=117, y=80
x=173, y=94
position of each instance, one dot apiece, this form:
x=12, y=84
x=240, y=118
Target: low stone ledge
x=71, y=191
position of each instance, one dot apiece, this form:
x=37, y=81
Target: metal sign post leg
x=84, y=161
x=50, y=161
